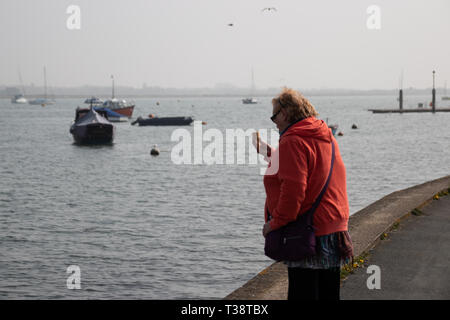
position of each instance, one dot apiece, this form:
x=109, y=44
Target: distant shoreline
x=128, y=97
x=157, y=92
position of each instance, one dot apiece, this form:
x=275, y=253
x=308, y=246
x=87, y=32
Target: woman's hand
x=263, y=146
x=266, y=229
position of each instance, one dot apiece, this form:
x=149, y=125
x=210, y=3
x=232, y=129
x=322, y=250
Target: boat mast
x=112, y=77
x=21, y=82
x=253, y=84
x=400, y=93
x=45, y=83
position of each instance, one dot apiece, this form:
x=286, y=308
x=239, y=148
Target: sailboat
x=43, y=101
x=122, y=107
x=20, y=98
x=251, y=99
x=445, y=96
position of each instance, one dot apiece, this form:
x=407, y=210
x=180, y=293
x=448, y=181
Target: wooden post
x=433, y=92
x=400, y=99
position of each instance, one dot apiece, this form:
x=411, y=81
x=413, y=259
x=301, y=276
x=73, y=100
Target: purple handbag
x=296, y=240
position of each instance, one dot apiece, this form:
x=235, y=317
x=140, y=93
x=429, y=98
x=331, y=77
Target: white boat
x=19, y=99
x=43, y=101
x=251, y=100
x=94, y=101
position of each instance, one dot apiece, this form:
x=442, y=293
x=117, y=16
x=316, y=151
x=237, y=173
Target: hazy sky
x=188, y=43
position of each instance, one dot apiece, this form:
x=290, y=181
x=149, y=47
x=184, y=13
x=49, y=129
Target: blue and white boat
x=111, y=115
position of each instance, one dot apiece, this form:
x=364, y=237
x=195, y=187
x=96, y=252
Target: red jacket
x=304, y=162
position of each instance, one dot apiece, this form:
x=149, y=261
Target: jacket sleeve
x=293, y=175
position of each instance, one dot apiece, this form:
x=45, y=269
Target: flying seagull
x=269, y=9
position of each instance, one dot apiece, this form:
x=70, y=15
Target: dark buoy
x=157, y=103
x=155, y=150
x=340, y=133
x=354, y=126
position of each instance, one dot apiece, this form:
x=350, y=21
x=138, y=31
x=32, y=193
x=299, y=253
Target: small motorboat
x=249, y=101
x=333, y=128
x=120, y=106
x=19, y=99
x=94, y=101
x=163, y=121
x=91, y=127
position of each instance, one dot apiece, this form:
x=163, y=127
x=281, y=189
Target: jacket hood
x=310, y=128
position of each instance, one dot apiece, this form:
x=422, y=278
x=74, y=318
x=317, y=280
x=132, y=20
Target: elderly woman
x=304, y=164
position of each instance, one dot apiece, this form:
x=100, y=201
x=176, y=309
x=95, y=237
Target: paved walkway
x=414, y=260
